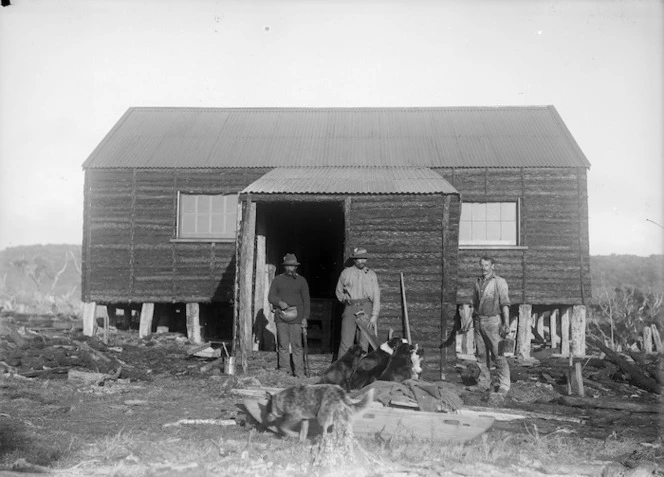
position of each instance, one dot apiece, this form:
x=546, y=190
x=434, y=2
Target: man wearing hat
x=289, y=295
x=358, y=290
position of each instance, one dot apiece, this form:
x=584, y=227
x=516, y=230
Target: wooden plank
x=270, y=272
x=438, y=426
x=259, y=290
x=591, y=403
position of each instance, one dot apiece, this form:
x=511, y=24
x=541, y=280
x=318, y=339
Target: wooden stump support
x=523, y=332
x=564, y=331
x=193, y=323
x=89, y=315
x=553, y=328
x=145, y=325
x=578, y=330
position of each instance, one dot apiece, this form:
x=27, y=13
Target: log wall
x=129, y=254
x=552, y=264
x=405, y=234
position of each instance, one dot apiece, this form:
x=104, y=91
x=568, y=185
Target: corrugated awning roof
x=351, y=180
x=529, y=136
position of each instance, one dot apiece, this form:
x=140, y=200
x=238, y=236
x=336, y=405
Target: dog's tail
x=362, y=403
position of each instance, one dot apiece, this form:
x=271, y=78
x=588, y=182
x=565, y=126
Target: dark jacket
x=292, y=290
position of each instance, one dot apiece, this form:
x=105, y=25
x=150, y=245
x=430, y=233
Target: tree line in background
x=41, y=279
x=628, y=290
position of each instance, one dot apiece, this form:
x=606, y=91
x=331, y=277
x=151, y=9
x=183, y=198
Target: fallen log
x=590, y=403
x=207, y=367
x=40, y=372
x=639, y=377
x=84, y=377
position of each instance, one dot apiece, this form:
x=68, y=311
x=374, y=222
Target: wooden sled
x=389, y=421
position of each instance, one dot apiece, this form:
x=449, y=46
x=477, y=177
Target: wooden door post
x=246, y=281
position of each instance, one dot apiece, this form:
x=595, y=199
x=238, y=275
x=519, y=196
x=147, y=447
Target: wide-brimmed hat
x=360, y=252
x=290, y=259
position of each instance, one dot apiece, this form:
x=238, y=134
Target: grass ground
x=128, y=427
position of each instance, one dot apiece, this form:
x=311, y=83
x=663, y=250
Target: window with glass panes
x=489, y=223
x=207, y=216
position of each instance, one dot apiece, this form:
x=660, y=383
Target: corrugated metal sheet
x=533, y=136
x=351, y=180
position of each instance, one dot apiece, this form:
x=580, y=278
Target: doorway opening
x=314, y=232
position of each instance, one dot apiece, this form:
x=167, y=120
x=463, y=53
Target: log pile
x=642, y=375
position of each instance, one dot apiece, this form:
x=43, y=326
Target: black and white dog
x=374, y=364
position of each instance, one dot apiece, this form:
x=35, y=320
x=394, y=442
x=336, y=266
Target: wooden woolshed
x=188, y=212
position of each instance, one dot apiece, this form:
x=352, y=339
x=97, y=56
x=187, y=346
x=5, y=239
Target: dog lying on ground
x=373, y=364
x=342, y=369
x=324, y=402
x=400, y=366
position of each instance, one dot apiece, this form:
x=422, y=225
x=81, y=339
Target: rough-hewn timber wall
x=404, y=234
x=552, y=264
x=130, y=223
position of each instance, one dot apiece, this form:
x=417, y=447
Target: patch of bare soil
x=72, y=405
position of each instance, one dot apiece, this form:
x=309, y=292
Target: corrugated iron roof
x=529, y=136
x=351, y=180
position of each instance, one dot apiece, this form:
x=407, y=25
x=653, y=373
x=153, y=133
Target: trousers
x=290, y=334
x=487, y=340
x=349, y=329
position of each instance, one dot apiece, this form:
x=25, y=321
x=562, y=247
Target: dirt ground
x=133, y=421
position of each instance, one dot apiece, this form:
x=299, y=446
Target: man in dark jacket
x=289, y=295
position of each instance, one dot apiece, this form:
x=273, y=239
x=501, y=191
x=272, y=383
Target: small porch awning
x=351, y=180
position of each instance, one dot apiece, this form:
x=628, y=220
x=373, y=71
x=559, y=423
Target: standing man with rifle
x=358, y=290
x=289, y=295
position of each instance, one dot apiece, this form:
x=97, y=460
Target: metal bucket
x=229, y=365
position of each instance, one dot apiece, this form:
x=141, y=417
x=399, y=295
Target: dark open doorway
x=314, y=232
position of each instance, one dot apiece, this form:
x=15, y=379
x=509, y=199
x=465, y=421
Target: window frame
x=495, y=245
x=226, y=237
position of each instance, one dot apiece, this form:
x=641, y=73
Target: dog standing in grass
x=327, y=403
x=342, y=369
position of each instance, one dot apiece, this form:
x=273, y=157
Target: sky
x=69, y=69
